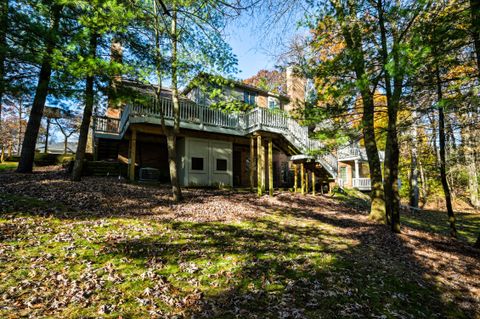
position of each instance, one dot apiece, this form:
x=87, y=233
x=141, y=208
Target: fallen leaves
x=106, y=248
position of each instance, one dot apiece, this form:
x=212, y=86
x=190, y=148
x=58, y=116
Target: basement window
x=221, y=164
x=197, y=163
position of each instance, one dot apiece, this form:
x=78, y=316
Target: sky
x=252, y=57
x=257, y=43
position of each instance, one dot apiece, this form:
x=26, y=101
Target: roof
x=144, y=88
x=237, y=84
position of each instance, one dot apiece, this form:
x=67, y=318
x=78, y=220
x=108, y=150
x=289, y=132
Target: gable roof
x=235, y=83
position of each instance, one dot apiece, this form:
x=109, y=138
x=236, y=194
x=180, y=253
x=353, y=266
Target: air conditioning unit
x=149, y=174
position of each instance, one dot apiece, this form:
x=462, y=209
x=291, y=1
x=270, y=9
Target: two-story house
x=262, y=146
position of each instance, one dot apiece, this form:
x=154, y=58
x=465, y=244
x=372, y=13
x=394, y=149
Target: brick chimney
x=296, y=89
x=116, y=55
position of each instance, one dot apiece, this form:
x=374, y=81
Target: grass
x=468, y=224
x=280, y=266
x=8, y=166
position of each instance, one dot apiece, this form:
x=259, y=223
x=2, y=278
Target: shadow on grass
x=468, y=224
x=293, y=271
x=301, y=257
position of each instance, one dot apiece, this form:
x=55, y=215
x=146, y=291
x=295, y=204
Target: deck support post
x=295, y=178
x=313, y=183
x=270, y=167
x=132, y=152
x=252, y=162
x=357, y=170
x=259, y=165
x=263, y=168
x=306, y=182
x=302, y=178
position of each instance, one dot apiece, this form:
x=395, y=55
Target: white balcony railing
x=362, y=183
x=349, y=152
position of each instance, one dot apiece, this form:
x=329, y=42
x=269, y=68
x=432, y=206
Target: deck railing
x=246, y=122
x=349, y=152
x=105, y=124
x=362, y=183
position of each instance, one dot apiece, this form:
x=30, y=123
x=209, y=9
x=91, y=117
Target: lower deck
x=204, y=159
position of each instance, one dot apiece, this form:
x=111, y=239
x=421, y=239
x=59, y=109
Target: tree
x=269, y=80
x=187, y=39
x=3, y=49
x=353, y=72
x=28, y=148
x=68, y=125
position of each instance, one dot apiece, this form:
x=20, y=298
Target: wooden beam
x=263, y=168
x=295, y=178
x=252, y=161
x=132, y=154
x=270, y=167
x=306, y=182
x=313, y=183
x=302, y=178
x=259, y=165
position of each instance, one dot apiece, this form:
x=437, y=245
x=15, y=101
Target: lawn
x=106, y=248
x=7, y=166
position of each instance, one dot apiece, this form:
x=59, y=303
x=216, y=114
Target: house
x=262, y=146
x=353, y=170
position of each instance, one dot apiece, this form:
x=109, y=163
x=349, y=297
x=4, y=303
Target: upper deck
x=200, y=118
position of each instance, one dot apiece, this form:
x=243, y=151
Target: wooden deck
x=200, y=118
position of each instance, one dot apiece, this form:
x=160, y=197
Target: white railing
x=349, y=152
x=246, y=122
x=106, y=124
x=362, y=183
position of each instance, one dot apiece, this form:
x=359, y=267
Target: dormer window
x=273, y=103
x=249, y=97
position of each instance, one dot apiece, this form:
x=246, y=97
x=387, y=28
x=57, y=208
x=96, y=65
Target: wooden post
x=295, y=178
x=306, y=182
x=131, y=160
x=252, y=161
x=259, y=165
x=302, y=178
x=313, y=183
x=270, y=167
x=263, y=169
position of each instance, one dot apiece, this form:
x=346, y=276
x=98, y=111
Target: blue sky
x=246, y=45
x=256, y=42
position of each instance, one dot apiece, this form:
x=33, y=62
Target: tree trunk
x=172, y=162
x=47, y=134
x=414, y=191
x=475, y=12
x=424, y=183
x=172, y=137
x=65, y=145
x=470, y=161
x=31, y=134
x=377, y=206
x=443, y=170
x=3, y=50
x=20, y=125
x=87, y=115
x=392, y=152
x=352, y=34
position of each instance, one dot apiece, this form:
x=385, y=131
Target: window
x=272, y=103
x=197, y=164
x=221, y=164
x=249, y=97
x=343, y=173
